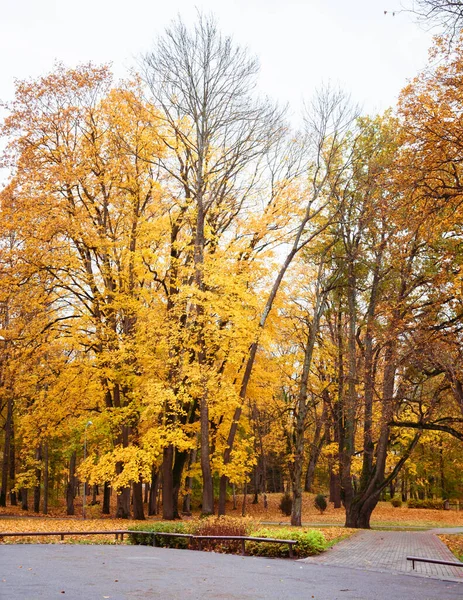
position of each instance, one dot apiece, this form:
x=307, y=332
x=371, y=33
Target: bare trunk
x=152, y=502
x=106, y=510
x=146, y=492
x=167, y=483
x=186, y=509
x=13, y=496
x=138, y=513
x=38, y=475
x=208, y=490
x=123, y=496
x=350, y=401
x=177, y=472
x=71, y=486
x=243, y=506
x=123, y=503
x=6, y=451
x=45, y=478
x=24, y=503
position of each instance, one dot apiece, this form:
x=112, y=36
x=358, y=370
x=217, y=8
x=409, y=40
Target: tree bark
x=38, y=475
x=168, y=484
x=13, y=495
x=71, y=485
x=106, y=510
x=123, y=496
x=45, y=478
x=24, y=503
x=138, y=513
x=6, y=450
x=177, y=471
x=154, y=486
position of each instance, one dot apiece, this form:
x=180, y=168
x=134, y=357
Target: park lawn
x=454, y=542
x=385, y=515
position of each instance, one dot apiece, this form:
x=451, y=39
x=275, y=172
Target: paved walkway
x=77, y=572
x=388, y=551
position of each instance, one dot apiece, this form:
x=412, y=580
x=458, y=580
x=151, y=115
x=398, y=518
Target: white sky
x=300, y=43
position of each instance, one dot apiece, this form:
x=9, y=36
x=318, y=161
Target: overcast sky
x=300, y=43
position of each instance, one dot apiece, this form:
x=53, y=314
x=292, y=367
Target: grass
x=454, y=542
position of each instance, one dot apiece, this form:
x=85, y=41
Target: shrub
x=396, y=502
x=221, y=526
x=286, y=504
x=429, y=504
x=310, y=542
x=143, y=539
x=320, y=503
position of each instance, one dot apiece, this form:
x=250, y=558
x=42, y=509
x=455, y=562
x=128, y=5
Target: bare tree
x=203, y=85
x=445, y=15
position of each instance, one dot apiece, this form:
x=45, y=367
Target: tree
x=203, y=85
x=447, y=15
x=327, y=122
x=80, y=198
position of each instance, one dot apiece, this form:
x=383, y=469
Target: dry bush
x=222, y=526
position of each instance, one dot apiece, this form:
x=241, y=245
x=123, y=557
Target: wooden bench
x=122, y=532
x=434, y=561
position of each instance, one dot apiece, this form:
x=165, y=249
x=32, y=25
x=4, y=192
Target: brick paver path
x=388, y=551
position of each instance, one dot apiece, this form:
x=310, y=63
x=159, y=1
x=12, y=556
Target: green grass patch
x=310, y=542
x=144, y=539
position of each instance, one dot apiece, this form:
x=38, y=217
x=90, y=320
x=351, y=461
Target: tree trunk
x=71, y=486
x=38, y=475
x=186, y=509
x=177, y=471
x=6, y=450
x=123, y=496
x=45, y=479
x=123, y=503
x=350, y=400
x=138, y=513
x=146, y=492
x=167, y=483
x=106, y=499
x=13, y=496
x=335, y=489
x=302, y=407
x=154, y=486
x=243, y=506
x=359, y=512
x=208, y=489
x=24, y=504
x=316, y=447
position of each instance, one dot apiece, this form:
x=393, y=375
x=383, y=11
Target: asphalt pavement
x=77, y=572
